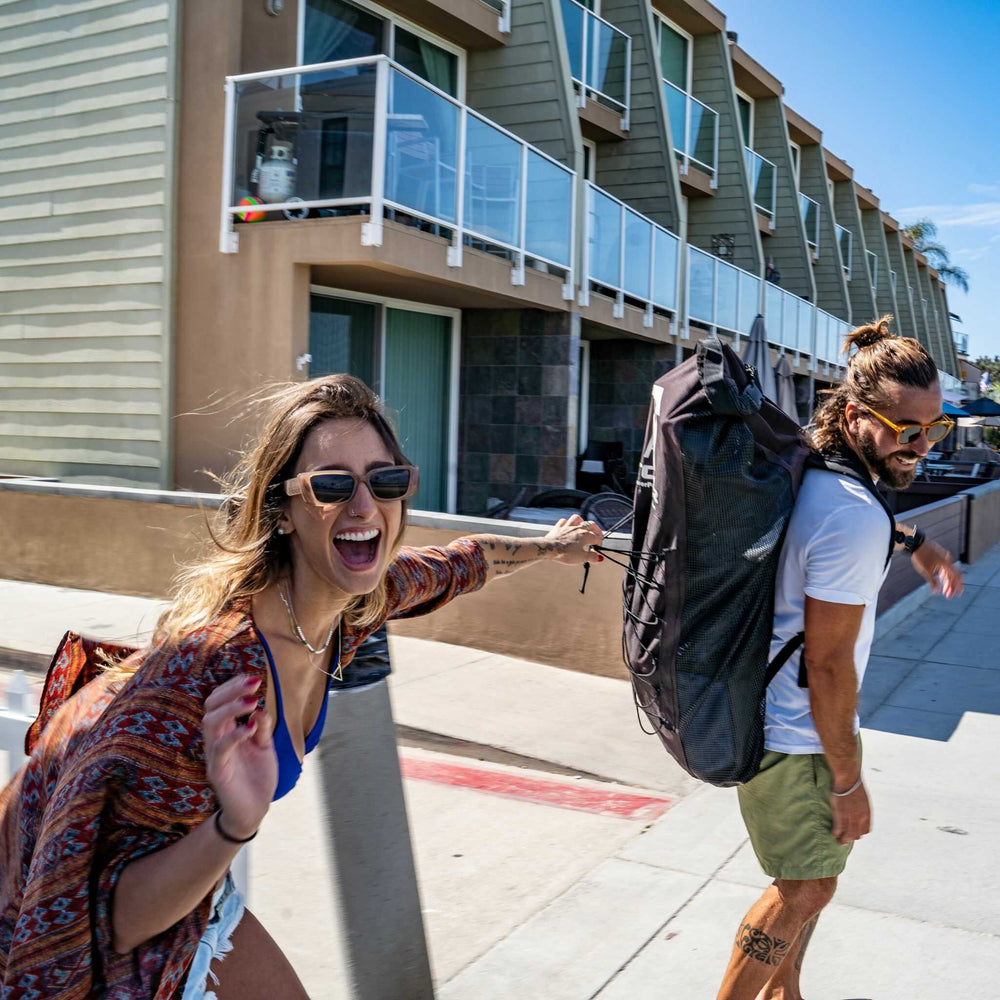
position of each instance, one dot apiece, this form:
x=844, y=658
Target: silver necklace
x=338, y=673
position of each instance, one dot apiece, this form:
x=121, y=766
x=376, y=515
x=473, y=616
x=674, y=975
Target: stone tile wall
x=519, y=398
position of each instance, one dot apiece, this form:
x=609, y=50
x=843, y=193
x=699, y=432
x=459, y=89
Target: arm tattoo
x=505, y=555
x=762, y=947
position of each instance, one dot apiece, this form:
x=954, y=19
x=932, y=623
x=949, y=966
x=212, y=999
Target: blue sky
x=908, y=93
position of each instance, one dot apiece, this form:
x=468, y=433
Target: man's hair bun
x=870, y=335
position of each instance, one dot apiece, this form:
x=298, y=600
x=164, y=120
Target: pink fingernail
x=251, y=682
x=249, y=702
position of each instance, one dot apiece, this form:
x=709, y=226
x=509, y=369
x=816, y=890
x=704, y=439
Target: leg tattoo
x=804, y=937
x=762, y=947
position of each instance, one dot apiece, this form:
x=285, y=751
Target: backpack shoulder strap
x=846, y=463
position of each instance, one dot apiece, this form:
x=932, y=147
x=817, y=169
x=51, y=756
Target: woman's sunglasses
x=908, y=433
x=334, y=486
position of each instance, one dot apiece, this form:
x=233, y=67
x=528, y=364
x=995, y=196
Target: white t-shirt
x=835, y=550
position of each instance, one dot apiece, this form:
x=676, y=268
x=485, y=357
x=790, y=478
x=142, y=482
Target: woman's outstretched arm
x=568, y=541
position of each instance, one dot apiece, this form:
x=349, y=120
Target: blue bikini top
x=289, y=765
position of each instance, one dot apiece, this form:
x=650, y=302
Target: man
x=808, y=804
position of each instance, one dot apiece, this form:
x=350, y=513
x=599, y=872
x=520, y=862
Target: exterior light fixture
x=724, y=245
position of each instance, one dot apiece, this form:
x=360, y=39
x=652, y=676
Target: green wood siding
x=86, y=176
x=905, y=320
x=845, y=205
x=731, y=209
x=787, y=242
x=885, y=301
x=640, y=169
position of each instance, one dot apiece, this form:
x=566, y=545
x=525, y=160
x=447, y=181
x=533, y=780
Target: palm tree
x=923, y=232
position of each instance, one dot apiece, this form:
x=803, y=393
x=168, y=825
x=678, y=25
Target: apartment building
x=509, y=217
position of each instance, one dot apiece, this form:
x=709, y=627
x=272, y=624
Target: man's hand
x=936, y=566
x=852, y=815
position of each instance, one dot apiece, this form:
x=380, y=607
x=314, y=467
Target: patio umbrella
x=950, y=410
x=786, y=388
x=757, y=353
x=984, y=407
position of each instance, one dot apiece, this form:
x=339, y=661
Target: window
x=333, y=30
x=796, y=154
x=675, y=56
x=745, y=107
x=407, y=354
x=590, y=160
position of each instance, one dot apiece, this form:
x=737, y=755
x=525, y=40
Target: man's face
x=895, y=464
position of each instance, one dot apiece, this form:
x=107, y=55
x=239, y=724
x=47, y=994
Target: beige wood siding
x=86, y=170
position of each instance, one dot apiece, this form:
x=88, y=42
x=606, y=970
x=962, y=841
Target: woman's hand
x=574, y=537
x=936, y=566
x=240, y=760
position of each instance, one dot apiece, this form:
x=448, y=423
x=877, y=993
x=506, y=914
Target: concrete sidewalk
x=526, y=893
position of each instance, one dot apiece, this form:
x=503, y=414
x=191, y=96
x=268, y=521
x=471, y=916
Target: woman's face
x=346, y=548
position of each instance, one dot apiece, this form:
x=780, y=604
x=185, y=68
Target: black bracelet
x=225, y=836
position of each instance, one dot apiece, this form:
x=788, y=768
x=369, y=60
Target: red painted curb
x=544, y=791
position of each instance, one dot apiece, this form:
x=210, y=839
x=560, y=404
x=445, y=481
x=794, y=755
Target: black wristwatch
x=909, y=542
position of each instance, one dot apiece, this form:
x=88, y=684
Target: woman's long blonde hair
x=248, y=555
x=881, y=357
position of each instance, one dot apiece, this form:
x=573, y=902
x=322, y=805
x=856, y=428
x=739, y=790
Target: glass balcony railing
x=720, y=294
x=788, y=319
x=600, y=57
x=830, y=334
x=763, y=183
x=845, y=240
x=628, y=254
x=695, y=129
x=366, y=136
x=810, y=218
x=872, y=259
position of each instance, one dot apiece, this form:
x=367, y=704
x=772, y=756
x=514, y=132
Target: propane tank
x=276, y=181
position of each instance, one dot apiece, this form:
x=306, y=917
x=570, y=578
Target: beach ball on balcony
x=276, y=181
x=250, y=216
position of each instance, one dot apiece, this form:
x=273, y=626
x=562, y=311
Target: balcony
x=763, y=176
x=810, y=219
x=695, y=129
x=502, y=7
x=845, y=240
x=600, y=58
x=721, y=295
x=789, y=319
x=367, y=137
x=872, y=268
x=628, y=255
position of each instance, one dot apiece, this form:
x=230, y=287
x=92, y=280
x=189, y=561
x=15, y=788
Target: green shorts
x=787, y=812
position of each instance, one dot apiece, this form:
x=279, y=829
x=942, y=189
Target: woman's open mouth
x=358, y=548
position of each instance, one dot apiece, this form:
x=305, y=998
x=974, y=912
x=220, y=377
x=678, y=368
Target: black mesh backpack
x=720, y=468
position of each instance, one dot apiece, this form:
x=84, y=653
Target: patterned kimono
x=117, y=771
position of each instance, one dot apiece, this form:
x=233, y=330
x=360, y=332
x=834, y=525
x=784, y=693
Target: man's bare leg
x=768, y=933
x=784, y=984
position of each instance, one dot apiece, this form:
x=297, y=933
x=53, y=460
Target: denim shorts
x=226, y=913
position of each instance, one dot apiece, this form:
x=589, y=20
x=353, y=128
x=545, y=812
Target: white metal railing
x=367, y=135
x=845, y=240
x=720, y=294
x=629, y=255
x=763, y=176
x=695, y=130
x=600, y=58
x=810, y=218
x=961, y=339
x=502, y=7
x=872, y=267
x=15, y=718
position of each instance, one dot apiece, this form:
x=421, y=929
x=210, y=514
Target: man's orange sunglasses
x=908, y=433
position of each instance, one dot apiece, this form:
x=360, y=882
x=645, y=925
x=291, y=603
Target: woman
x=117, y=836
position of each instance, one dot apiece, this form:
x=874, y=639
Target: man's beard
x=892, y=476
